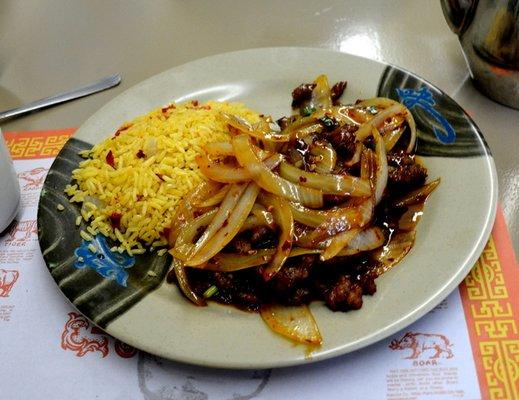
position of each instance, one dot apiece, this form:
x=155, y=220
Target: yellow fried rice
x=130, y=183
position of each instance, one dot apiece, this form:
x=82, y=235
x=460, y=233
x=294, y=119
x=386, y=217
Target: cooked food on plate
x=262, y=214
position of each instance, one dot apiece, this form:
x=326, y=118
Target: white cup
x=9, y=187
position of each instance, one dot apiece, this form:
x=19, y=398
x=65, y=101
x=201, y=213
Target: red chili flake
x=166, y=109
x=166, y=232
x=302, y=179
x=233, y=130
x=122, y=129
x=195, y=103
x=140, y=154
x=140, y=197
x=110, y=159
x=115, y=220
x=225, y=223
x=286, y=245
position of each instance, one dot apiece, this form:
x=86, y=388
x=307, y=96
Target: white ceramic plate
x=154, y=317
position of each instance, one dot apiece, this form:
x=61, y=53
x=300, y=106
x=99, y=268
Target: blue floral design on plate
x=108, y=264
x=423, y=98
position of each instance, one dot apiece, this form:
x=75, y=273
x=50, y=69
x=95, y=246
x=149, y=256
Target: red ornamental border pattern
x=36, y=144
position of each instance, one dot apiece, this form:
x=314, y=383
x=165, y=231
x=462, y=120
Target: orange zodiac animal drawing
x=33, y=178
x=75, y=337
x=22, y=231
x=434, y=345
x=8, y=277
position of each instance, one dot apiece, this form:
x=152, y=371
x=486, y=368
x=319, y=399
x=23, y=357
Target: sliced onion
x=221, y=172
x=285, y=221
x=306, y=131
x=342, y=115
x=411, y=217
x=327, y=154
x=224, y=149
x=412, y=129
x=393, y=107
x=295, y=323
x=338, y=242
x=393, y=252
x=184, y=243
x=342, y=220
x=234, y=221
x=367, y=165
x=213, y=200
x=417, y=196
x=310, y=217
x=251, y=222
x=366, y=129
x=183, y=284
x=328, y=183
x=391, y=138
x=226, y=262
x=378, y=102
x=225, y=173
x=184, y=213
x=267, y=180
x=220, y=149
x=356, y=156
x=391, y=124
x=263, y=215
x=321, y=94
x=263, y=134
x=368, y=239
x=304, y=126
x=382, y=169
x=222, y=216
x=236, y=262
x=304, y=240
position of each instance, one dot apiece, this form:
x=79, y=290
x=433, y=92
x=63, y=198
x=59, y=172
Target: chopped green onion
x=372, y=109
x=327, y=122
x=210, y=292
x=307, y=111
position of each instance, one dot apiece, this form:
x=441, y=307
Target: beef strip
x=263, y=237
x=344, y=295
x=239, y=245
x=294, y=272
x=343, y=140
x=302, y=93
x=404, y=172
x=337, y=91
x=284, y=122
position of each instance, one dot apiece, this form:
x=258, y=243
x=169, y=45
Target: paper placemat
x=466, y=348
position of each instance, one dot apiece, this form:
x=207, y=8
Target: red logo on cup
x=33, y=178
x=8, y=278
x=76, y=337
x=428, y=345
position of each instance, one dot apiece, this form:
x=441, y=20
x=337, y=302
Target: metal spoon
x=95, y=87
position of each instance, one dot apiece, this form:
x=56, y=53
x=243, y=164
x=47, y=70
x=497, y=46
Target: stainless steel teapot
x=488, y=31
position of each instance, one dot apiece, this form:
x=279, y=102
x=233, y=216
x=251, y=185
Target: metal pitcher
x=488, y=31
